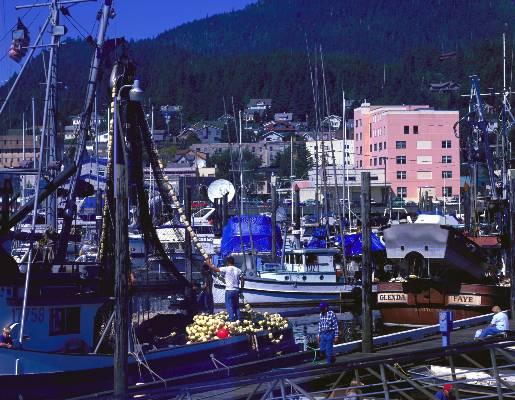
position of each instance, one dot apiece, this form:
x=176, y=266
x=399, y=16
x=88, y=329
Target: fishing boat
x=305, y=276
x=61, y=312
x=61, y=353
x=436, y=268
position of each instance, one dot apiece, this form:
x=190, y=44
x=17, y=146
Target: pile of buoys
x=207, y=327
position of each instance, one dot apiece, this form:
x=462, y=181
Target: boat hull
x=266, y=292
x=54, y=376
x=418, y=302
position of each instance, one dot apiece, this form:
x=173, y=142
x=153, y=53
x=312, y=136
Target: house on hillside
x=259, y=107
x=279, y=126
x=271, y=136
x=332, y=122
x=225, y=119
x=283, y=117
x=191, y=158
x=202, y=132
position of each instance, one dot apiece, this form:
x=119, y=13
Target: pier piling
x=366, y=267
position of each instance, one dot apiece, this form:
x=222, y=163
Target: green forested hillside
x=261, y=52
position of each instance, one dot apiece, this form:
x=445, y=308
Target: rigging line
x=511, y=67
x=77, y=29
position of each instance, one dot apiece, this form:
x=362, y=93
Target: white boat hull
x=258, y=291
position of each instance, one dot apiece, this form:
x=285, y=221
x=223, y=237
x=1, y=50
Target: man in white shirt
x=499, y=323
x=232, y=277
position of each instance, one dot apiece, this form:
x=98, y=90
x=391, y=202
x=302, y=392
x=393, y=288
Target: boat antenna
x=317, y=205
x=335, y=176
x=242, y=246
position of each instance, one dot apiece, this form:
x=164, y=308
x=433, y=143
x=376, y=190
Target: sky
x=135, y=19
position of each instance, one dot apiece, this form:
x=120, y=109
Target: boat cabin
x=305, y=265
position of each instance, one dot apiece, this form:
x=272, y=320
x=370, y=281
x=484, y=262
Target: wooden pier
x=385, y=369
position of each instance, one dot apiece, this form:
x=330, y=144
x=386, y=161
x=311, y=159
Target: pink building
x=416, y=146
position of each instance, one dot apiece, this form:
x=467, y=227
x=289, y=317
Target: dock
x=385, y=372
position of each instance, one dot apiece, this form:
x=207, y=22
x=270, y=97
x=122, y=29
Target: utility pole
x=121, y=262
x=225, y=211
x=273, y=188
x=512, y=241
x=366, y=265
x=33, y=133
x=187, y=211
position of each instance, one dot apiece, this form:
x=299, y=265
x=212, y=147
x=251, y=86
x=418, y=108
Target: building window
x=447, y=191
x=446, y=159
x=375, y=146
x=380, y=146
x=446, y=174
x=375, y=161
x=400, y=144
x=384, y=145
x=402, y=192
x=400, y=159
x=380, y=160
x=415, y=129
x=360, y=163
x=401, y=174
x=446, y=144
x=370, y=147
x=370, y=161
x=406, y=129
x=64, y=321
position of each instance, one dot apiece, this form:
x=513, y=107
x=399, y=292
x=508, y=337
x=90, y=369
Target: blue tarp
x=89, y=205
x=354, y=245
x=318, y=239
x=260, y=226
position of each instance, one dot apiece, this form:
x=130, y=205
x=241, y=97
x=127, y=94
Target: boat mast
x=85, y=121
x=48, y=129
x=317, y=205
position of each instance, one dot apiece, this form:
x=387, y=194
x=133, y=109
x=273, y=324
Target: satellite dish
x=219, y=189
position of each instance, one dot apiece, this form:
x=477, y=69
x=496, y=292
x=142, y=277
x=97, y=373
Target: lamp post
x=121, y=263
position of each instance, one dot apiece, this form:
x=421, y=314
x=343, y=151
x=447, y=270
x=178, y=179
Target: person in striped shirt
x=327, y=331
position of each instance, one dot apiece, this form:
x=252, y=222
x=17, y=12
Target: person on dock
x=327, y=331
x=232, y=277
x=5, y=338
x=445, y=393
x=499, y=324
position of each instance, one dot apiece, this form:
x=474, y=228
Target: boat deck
x=406, y=349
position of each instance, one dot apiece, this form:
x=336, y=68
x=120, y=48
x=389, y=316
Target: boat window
x=321, y=277
x=64, y=321
x=298, y=259
x=304, y=277
x=286, y=278
x=311, y=259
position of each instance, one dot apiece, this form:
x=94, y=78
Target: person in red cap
x=445, y=393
